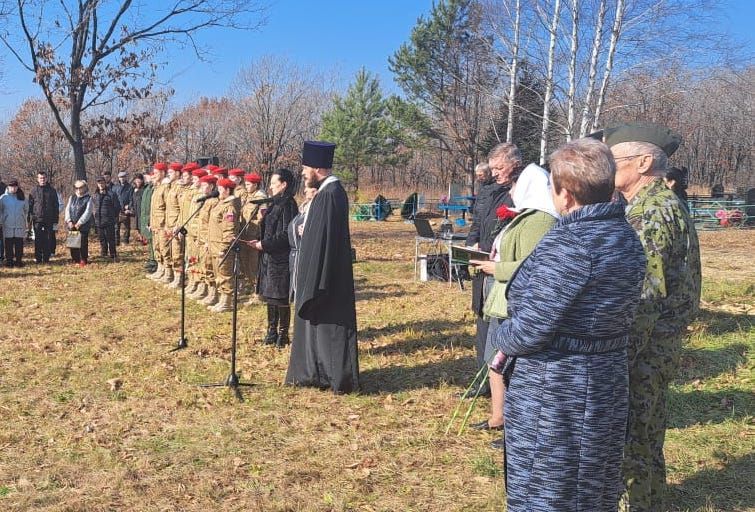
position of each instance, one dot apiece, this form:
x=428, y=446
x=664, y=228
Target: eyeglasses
x=616, y=159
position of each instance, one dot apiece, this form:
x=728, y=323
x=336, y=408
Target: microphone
x=266, y=200
x=211, y=195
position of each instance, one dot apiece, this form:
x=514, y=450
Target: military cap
x=211, y=167
x=318, y=154
x=199, y=173
x=160, y=166
x=253, y=178
x=662, y=137
x=190, y=167
x=596, y=135
x=227, y=183
x=175, y=166
x=220, y=171
x=236, y=172
x=209, y=178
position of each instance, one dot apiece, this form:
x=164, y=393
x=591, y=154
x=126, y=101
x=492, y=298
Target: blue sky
x=335, y=35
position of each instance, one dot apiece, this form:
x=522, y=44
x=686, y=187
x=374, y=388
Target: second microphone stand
x=183, y=342
x=233, y=381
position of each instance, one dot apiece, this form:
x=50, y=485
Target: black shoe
x=282, y=340
x=271, y=338
x=484, y=425
x=499, y=443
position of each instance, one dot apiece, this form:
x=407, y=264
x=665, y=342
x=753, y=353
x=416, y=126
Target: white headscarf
x=532, y=191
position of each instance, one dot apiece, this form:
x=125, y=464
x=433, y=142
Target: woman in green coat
x=535, y=216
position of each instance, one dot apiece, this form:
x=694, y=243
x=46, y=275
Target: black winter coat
x=43, y=204
x=105, y=208
x=124, y=193
x=273, y=278
x=485, y=221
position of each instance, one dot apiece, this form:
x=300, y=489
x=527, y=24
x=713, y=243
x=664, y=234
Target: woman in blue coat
x=570, y=307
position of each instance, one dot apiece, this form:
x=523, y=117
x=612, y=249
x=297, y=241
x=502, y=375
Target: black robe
x=324, y=348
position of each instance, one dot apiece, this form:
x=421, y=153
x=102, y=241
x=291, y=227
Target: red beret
x=160, y=166
x=236, y=172
x=199, y=173
x=225, y=182
x=209, y=178
x=190, y=167
x=220, y=171
x=253, y=178
x=212, y=167
x=175, y=166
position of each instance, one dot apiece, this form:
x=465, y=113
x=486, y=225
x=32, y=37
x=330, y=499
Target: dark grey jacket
x=43, y=204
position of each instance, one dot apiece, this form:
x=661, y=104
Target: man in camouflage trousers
x=670, y=299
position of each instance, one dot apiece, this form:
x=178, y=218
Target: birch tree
x=553, y=31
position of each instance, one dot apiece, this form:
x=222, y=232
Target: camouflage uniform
x=249, y=256
x=204, y=268
x=223, y=226
x=188, y=207
x=670, y=299
x=172, y=217
x=157, y=222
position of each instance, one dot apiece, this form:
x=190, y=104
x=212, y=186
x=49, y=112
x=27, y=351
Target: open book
x=462, y=254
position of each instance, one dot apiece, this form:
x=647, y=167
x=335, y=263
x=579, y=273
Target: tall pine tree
x=357, y=125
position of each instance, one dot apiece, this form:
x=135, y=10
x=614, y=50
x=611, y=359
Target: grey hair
x=660, y=160
x=483, y=168
x=507, y=150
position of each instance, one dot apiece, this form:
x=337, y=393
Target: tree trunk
x=512, y=73
x=572, y=69
x=549, y=82
x=593, y=72
x=615, y=33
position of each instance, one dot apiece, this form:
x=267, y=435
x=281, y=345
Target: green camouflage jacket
x=671, y=291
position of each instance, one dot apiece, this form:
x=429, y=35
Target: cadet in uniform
x=670, y=299
x=205, y=292
x=223, y=227
x=251, y=212
x=157, y=219
x=172, y=216
x=188, y=207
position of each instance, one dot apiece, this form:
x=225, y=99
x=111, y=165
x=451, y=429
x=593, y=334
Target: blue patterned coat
x=571, y=305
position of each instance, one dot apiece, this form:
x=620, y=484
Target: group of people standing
x=190, y=216
x=593, y=278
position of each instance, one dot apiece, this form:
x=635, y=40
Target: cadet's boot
x=272, y=325
x=284, y=318
x=223, y=305
x=176, y=283
x=167, y=277
x=191, y=287
x=157, y=274
x=212, y=296
x=200, y=293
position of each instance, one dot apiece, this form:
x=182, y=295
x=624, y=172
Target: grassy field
x=95, y=414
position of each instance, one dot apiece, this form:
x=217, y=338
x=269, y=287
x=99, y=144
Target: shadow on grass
x=393, y=379
x=721, y=322
x=422, y=334
x=726, y=488
x=703, y=363
x=702, y=407
x=377, y=293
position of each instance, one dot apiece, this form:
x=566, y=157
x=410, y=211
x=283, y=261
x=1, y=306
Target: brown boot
x=212, y=296
x=223, y=305
x=200, y=291
x=167, y=277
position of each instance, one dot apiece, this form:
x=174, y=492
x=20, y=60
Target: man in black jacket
x=125, y=192
x=504, y=160
x=105, y=207
x=44, y=212
x=2, y=246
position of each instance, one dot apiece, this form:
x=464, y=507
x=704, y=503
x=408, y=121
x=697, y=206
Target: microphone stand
x=183, y=342
x=233, y=381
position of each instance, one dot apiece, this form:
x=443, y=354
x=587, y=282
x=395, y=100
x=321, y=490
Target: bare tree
x=277, y=105
x=553, y=30
x=571, y=94
x=593, y=70
x=615, y=33
x=109, y=49
x=513, y=71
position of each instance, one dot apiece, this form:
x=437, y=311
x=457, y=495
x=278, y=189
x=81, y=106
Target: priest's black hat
x=318, y=154
x=661, y=136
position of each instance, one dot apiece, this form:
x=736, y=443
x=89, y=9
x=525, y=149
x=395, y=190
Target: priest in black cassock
x=324, y=349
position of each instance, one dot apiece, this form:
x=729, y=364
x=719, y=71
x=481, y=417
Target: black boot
x=272, y=325
x=284, y=318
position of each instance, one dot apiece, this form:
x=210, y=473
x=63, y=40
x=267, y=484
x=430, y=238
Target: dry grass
x=71, y=441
